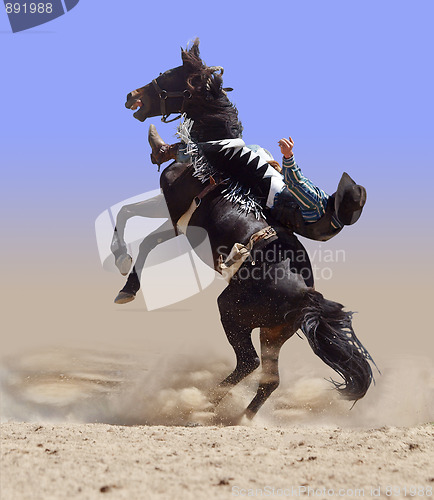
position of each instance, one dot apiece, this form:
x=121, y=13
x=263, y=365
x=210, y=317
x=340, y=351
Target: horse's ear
x=191, y=56
x=194, y=49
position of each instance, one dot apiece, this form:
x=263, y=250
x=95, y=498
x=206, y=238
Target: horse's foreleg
x=132, y=286
x=272, y=340
x=118, y=246
x=153, y=208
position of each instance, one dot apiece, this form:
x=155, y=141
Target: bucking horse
x=267, y=288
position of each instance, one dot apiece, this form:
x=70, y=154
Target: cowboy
x=292, y=199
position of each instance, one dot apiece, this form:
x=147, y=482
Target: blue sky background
x=352, y=82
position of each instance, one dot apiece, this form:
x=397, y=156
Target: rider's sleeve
x=309, y=196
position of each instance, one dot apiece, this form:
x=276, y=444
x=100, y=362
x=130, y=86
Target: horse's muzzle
x=138, y=101
x=132, y=98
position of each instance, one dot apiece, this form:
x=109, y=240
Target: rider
x=292, y=199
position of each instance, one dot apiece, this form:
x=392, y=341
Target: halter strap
x=167, y=94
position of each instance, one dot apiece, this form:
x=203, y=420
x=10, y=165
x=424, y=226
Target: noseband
x=164, y=95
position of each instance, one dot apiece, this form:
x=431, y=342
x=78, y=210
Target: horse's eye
x=160, y=74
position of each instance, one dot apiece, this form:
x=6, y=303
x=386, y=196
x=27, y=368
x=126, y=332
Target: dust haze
x=85, y=386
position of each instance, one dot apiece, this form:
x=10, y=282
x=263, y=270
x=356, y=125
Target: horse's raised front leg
x=164, y=233
x=272, y=339
x=153, y=208
x=118, y=246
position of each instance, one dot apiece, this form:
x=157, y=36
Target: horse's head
x=163, y=96
x=169, y=92
x=193, y=88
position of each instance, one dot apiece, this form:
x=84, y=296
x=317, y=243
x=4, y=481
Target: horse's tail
x=329, y=331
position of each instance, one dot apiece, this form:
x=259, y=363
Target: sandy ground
x=97, y=461
x=101, y=401
x=304, y=440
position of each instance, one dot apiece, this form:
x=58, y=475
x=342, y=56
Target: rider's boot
x=161, y=152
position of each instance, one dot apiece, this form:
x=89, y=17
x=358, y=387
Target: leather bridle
x=166, y=94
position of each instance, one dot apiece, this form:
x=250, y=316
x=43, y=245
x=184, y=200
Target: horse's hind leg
x=240, y=339
x=272, y=339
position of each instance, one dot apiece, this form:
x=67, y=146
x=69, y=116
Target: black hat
x=349, y=200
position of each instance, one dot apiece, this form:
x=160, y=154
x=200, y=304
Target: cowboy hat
x=349, y=200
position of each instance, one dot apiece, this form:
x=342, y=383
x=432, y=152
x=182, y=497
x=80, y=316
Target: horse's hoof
x=123, y=263
x=247, y=416
x=124, y=298
x=216, y=394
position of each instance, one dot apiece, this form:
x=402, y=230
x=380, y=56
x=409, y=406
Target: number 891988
x=29, y=8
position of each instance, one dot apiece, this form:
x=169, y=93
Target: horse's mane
x=214, y=116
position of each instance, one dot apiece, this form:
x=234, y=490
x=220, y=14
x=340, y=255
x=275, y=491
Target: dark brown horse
x=272, y=289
